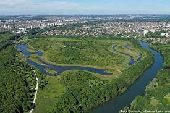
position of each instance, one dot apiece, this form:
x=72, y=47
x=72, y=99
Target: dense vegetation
x=16, y=80
x=65, y=51
x=156, y=34
x=79, y=91
x=4, y=37
x=157, y=95
x=165, y=50
x=85, y=90
x=93, y=52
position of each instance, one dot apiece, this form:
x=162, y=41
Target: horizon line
x=85, y=14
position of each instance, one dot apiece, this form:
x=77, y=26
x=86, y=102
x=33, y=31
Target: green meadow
x=98, y=53
x=79, y=91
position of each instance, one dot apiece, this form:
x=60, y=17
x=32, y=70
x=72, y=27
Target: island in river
x=92, y=73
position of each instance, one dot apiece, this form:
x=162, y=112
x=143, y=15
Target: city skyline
x=55, y=7
x=84, y=56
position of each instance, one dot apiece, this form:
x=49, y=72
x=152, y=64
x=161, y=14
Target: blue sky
x=8, y=7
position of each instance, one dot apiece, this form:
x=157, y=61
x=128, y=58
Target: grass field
x=48, y=96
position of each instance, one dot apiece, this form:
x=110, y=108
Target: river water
x=138, y=88
x=118, y=103
x=44, y=66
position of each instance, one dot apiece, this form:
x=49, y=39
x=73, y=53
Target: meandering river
x=138, y=88
x=59, y=69
x=118, y=103
x=44, y=66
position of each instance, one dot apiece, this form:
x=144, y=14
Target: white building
x=165, y=34
x=152, y=30
x=145, y=32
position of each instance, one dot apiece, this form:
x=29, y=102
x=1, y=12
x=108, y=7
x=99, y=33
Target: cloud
x=82, y=6
x=22, y=6
x=47, y=7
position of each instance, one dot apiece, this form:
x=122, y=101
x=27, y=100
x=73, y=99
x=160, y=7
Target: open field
x=48, y=96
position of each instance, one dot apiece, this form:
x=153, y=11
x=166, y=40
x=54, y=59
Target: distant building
x=21, y=30
x=145, y=32
x=152, y=30
x=165, y=34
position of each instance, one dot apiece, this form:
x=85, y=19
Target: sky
x=70, y=7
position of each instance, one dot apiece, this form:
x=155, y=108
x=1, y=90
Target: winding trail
x=35, y=95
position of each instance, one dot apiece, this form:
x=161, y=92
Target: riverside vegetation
x=78, y=91
x=157, y=93
x=16, y=80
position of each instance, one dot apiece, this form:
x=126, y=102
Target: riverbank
x=96, y=88
x=157, y=93
x=85, y=52
x=136, y=86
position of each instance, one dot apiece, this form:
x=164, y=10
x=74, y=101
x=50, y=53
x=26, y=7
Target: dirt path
x=35, y=95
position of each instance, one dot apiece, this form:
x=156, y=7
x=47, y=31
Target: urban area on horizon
x=125, y=25
x=72, y=56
